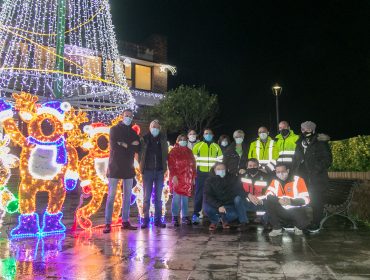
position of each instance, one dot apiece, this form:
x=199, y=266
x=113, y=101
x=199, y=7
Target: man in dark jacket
x=123, y=144
x=311, y=161
x=236, y=154
x=153, y=165
x=224, y=196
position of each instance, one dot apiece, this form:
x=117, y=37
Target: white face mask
x=192, y=138
x=224, y=143
x=239, y=140
x=263, y=135
x=282, y=175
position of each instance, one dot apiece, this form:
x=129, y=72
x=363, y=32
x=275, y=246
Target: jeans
x=214, y=215
x=112, y=189
x=250, y=207
x=176, y=200
x=153, y=178
x=199, y=188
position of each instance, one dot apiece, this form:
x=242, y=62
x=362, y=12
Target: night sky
x=319, y=51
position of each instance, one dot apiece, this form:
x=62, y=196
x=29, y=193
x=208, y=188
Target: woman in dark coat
x=312, y=159
x=236, y=154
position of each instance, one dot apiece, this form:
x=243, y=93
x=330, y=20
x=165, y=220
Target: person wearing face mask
x=192, y=139
x=285, y=143
x=153, y=164
x=224, y=142
x=255, y=183
x=206, y=154
x=182, y=167
x=262, y=150
x=224, y=198
x=124, y=143
x=286, y=199
x=236, y=154
x=311, y=161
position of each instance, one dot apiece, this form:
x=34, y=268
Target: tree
x=186, y=107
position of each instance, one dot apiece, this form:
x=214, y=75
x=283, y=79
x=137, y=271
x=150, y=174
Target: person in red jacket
x=182, y=167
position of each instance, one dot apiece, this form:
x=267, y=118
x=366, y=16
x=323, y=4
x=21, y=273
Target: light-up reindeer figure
x=93, y=170
x=8, y=202
x=48, y=162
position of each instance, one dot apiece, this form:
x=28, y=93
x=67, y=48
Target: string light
x=8, y=202
x=48, y=162
x=89, y=70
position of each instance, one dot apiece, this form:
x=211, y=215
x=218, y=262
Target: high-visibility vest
x=284, y=147
x=256, y=186
x=207, y=155
x=263, y=152
x=292, y=189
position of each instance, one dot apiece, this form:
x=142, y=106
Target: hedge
x=351, y=154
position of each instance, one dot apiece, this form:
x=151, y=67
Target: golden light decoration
x=92, y=171
x=48, y=162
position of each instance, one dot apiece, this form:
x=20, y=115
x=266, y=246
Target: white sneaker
x=276, y=232
x=297, y=231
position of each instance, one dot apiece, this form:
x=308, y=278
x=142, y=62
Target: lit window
x=143, y=77
x=92, y=66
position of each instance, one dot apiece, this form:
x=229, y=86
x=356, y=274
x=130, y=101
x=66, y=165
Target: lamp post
x=276, y=90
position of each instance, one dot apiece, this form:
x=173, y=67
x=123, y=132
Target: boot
x=107, y=228
x=128, y=226
x=28, y=225
x=175, y=220
x=52, y=223
x=158, y=223
x=186, y=220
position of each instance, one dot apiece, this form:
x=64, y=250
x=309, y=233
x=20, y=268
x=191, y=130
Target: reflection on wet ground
x=188, y=253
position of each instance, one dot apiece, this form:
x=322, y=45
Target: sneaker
x=128, y=226
x=175, y=220
x=186, y=220
x=297, y=231
x=276, y=232
x=160, y=224
x=107, y=228
x=144, y=225
x=195, y=220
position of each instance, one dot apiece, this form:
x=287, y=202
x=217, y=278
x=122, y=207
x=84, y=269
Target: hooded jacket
x=233, y=161
x=181, y=164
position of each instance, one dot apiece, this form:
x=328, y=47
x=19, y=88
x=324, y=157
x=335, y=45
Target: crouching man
x=286, y=198
x=224, y=198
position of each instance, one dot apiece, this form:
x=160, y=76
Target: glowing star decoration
x=47, y=161
x=64, y=50
x=93, y=170
x=8, y=202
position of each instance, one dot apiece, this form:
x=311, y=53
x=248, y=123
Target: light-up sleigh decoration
x=48, y=162
x=8, y=202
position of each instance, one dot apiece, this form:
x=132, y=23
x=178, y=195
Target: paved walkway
x=189, y=253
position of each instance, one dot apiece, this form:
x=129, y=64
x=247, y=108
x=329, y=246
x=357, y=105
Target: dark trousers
x=279, y=216
x=153, y=178
x=317, y=198
x=199, y=188
x=213, y=214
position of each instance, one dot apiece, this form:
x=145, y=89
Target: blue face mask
x=239, y=140
x=154, y=131
x=208, y=137
x=127, y=120
x=183, y=143
x=221, y=173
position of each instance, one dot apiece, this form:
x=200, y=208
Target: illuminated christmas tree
x=63, y=50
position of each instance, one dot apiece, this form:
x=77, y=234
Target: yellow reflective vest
x=263, y=152
x=206, y=155
x=284, y=147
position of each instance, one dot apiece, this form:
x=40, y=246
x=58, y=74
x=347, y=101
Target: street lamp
x=276, y=90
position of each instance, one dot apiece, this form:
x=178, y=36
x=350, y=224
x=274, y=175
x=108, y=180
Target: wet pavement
x=188, y=252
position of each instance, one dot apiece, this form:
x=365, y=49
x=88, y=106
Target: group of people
x=275, y=177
